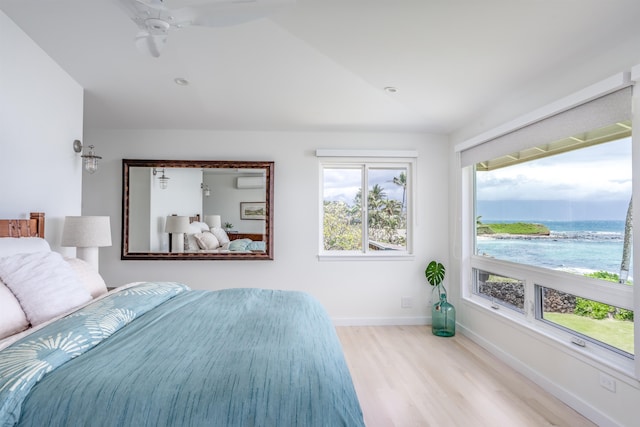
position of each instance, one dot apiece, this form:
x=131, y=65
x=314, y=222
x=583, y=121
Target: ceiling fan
x=155, y=19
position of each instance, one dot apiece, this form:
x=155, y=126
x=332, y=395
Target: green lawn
x=617, y=333
x=513, y=228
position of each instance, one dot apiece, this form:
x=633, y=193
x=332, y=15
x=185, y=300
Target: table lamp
x=86, y=234
x=177, y=226
x=213, y=221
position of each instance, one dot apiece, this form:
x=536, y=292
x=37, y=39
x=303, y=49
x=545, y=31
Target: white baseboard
x=598, y=417
x=381, y=321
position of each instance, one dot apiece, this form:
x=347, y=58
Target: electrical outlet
x=406, y=302
x=608, y=382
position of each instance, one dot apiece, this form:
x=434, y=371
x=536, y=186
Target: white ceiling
x=323, y=64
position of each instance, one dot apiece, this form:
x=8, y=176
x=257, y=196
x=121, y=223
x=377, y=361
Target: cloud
x=343, y=184
x=602, y=173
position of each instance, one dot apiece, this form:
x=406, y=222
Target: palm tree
x=377, y=194
x=402, y=182
x=626, y=247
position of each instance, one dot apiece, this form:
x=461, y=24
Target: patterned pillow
x=257, y=246
x=239, y=244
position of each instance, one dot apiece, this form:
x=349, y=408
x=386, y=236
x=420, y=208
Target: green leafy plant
x=598, y=310
x=434, y=273
x=228, y=225
x=593, y=309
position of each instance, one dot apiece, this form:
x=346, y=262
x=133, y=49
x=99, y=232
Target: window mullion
x=365, y=209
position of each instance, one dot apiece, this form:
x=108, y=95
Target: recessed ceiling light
x=391, y=89
x=181, y=81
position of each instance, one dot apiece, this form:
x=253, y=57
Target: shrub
x=593, y=309
x=598, y=310
x=623, y=314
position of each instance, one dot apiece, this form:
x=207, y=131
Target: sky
x=343, y=185
x=592, y=183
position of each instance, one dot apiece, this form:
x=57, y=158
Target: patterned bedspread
x=158, y=354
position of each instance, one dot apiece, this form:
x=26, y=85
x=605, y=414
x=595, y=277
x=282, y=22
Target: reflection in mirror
x=180, y=209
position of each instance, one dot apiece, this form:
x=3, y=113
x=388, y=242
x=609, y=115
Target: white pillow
x=206, y=240
x=89, y=277
x=12, y=319
x=22, y=245
x=221, y=235
x=44, y=283
x=203, y=226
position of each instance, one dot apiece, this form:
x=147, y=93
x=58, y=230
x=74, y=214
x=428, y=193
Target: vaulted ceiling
x=323, y=64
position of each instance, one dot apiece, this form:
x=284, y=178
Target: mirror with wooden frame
x=197, y=210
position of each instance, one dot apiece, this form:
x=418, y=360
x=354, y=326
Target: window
x=549, y=218
x=600, y=323
x=366, y=208
x=565, y=212
x=498, y=289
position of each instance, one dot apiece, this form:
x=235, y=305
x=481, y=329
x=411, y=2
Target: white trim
x=321, y=152
x=381, y=321
x=635, y=242
x=597, y=90
x=404, y=256
x=364, y=164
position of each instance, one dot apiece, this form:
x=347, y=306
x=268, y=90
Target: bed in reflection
x=203, y=238
x=158, y=353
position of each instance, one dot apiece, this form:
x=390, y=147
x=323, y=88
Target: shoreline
x=603, y=236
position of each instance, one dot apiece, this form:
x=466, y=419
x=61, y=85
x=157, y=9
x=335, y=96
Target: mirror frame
x=201, y=164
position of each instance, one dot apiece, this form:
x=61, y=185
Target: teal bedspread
x=162, y=355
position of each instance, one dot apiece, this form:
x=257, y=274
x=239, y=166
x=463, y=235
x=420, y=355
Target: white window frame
x=369, y=159
x=622, y=296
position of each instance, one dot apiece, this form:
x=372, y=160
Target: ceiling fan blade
x=141, y=10
x=155, y=20
x=225, y=13
x=150, y=44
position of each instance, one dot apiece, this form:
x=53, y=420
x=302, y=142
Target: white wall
x=363, y=291
x=40, y=117
x=556, y=367
x=182, y=197
x=225, y=201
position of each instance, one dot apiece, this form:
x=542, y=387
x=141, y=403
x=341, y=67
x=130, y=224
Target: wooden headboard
x=32, y=227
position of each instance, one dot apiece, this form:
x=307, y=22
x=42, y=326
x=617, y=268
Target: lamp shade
x=176, y=224
x=213, y=221
x=86, y=231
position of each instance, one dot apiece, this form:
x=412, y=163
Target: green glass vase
x=443, y=317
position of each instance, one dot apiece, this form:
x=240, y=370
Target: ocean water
x=578, y=246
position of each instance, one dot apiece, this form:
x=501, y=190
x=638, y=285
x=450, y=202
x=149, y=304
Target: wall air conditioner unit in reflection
x=250, y=182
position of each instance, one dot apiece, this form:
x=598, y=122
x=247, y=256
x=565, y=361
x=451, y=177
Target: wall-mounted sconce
x=205, y=189
x=164, y=180
x=90, y=159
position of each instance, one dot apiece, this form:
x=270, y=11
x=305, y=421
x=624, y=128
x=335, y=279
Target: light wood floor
x=405, y=376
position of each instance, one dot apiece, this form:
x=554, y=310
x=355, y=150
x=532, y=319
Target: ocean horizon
x=577, y=246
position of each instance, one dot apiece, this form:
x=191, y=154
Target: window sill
x=366, y=257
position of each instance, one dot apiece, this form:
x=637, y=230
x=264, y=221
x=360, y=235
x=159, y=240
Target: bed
x=161, y=354
x=203, y=238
